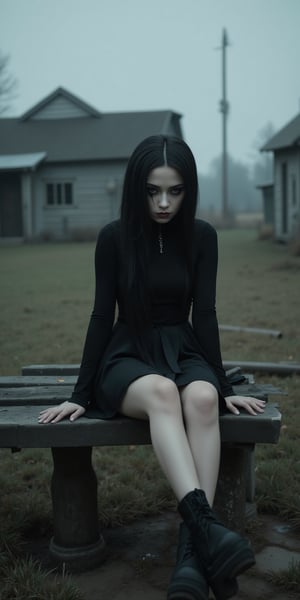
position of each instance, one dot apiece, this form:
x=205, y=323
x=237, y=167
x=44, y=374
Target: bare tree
x=8, y=84
x=262, y=170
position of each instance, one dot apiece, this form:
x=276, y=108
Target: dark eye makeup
x=152, y=190
x=175, y=190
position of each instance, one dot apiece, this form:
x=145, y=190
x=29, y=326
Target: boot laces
x=205, y=515
x=188, y=549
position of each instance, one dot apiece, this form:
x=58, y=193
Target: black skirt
x=175, y=354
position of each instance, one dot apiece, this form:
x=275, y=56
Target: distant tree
x=243, y=179
x=262, y=165
x=8, y=84
x=262, y=170
x=241, y=196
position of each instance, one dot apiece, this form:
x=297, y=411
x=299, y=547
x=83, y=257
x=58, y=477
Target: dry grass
x=265, y=232
x=46, y=297
x=47, y=293
x=256, y=289
x=287, y=579
x=295, y=246
x=24, y=579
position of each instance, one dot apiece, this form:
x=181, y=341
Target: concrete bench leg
x=77, y=540
x=230, y=501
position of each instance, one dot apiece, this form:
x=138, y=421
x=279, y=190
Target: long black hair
x=154, y=151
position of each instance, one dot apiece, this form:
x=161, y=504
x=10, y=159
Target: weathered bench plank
x=23, y=381
x=19, y=428
x=53, y=389
x=53, y=369
x=279, y=368
x=30, y=396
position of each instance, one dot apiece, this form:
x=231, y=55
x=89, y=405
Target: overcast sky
x=124, y=55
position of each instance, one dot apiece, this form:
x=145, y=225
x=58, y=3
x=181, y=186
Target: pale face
x=165, y=189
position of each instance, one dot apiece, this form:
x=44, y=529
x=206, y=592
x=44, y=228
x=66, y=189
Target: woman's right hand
x=57, y=413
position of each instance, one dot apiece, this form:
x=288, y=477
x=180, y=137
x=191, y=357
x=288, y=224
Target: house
x=267, y=190
x=285, y=146
x=62, y=164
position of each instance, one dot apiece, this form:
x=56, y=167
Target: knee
x=201, y=403
x=165, y=396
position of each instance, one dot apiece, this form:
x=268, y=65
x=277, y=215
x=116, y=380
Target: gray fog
x=128, y=55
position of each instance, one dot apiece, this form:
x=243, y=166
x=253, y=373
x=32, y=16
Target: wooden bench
x=77, y=540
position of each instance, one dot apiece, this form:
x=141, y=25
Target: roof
x=16, y=162
x=113, y=136
x=93, y=137
x=61, y=92
x=286, y=137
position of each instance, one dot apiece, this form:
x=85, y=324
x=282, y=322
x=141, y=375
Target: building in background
x=62, y=165
x=284, y=194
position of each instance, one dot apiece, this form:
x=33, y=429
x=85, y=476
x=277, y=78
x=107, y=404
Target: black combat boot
x=188, y=581
x=223, y=553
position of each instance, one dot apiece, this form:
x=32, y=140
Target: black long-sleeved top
x=166, y=280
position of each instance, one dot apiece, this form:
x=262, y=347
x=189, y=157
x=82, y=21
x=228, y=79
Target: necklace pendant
x=161, y=243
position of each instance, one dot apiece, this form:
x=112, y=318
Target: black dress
x=179, y=350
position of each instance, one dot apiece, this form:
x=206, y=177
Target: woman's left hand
x=251, y=405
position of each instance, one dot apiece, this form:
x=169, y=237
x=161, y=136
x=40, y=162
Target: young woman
x=158, y=264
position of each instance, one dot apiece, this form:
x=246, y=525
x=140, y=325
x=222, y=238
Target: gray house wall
x=59, y=108
x=286, y=193
x=285, y=145
x=96, y=198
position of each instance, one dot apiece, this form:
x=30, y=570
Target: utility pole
x=224, y=109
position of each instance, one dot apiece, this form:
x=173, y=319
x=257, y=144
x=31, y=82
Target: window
x=68, y=193
x=59, y=194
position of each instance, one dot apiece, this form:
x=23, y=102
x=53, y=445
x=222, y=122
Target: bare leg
x=200, y=409
x=157, y=398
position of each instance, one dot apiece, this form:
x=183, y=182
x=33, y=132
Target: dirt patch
x=141, y=557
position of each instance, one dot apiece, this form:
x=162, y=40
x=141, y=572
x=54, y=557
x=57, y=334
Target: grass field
x=45, y=301
x=47, y=293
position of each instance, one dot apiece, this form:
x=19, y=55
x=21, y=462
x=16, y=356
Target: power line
x=224, y=109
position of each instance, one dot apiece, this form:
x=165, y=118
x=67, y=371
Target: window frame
x=59, y=193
